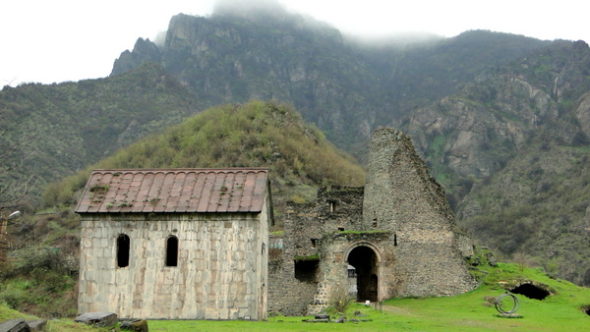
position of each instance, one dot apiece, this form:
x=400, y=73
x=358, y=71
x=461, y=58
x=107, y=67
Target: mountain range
x=502, y=120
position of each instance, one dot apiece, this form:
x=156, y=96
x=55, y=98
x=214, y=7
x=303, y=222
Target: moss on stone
x=315, y=257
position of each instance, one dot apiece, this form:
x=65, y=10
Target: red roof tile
x=175, y=190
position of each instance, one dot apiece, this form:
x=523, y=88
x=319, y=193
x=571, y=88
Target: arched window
x=172, y=251
x=123, y=246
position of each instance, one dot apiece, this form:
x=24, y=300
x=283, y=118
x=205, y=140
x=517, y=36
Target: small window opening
x=262, y=249
x=123, y=246
x=374, y=224
x=314, y=243
x=341, y=229
x=394, y=240
x=306, y=270
x=531, y=291
x=172, y=251
x=332, y=206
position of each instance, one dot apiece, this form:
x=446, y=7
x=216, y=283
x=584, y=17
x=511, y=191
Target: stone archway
x=364, y=260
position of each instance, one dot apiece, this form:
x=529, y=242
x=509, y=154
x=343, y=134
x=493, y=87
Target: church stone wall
x=222, y=270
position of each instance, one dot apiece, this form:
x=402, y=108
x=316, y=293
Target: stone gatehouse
x=396, y=237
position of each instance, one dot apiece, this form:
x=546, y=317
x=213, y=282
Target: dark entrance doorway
x=364, y=261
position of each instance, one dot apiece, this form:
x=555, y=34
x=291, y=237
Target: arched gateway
x=365, y=261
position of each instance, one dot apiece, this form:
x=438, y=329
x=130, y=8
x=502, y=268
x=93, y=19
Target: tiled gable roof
x=175, y=190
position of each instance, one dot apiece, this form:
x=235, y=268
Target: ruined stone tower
x=401, y=197
x=396, y=237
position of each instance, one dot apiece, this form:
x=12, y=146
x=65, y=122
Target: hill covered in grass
x=42, y=274
x=50, y=131
x=256, y=134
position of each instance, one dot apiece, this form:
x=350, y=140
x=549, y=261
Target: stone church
x=175, y=243
x=195, y=243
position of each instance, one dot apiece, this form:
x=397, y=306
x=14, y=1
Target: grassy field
x=54, y=325
x=473, y=311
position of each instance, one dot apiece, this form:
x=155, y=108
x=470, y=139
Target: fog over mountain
x=103, y=29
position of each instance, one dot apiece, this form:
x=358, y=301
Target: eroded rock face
x=583, y=113
x=475, y=132
x=143, y=51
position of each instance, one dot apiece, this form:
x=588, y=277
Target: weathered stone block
x=100, y=319
x=136, y=325
x=37, y=325
x=14, y=325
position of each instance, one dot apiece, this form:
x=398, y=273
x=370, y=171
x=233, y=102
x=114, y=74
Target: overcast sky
x=67, y=40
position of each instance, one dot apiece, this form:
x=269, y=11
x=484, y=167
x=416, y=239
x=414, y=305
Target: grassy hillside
x=50, y=131
x=42, y=273
x=257, y=134
x=537, y=208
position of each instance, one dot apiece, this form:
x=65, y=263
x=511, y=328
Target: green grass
x=467, y=312
x=53, y=325
x=472, y=311
x=263, y=134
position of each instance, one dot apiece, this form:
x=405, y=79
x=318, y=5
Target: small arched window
x=123, y=247
x=172, y=251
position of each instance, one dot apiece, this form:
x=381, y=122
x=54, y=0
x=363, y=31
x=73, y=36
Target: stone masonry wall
x=337, y=208
x=335, y=250
x=221, y=273
x=401, y=197
x=287, y=295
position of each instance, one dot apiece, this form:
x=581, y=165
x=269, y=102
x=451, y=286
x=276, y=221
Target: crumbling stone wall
x=287, y=295
x=221, y=271
x=401, y=197
x=401, y=216
x=337, y=208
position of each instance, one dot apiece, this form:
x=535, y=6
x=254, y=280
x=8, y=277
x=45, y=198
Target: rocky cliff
x=511, y=147
x=345, y=87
